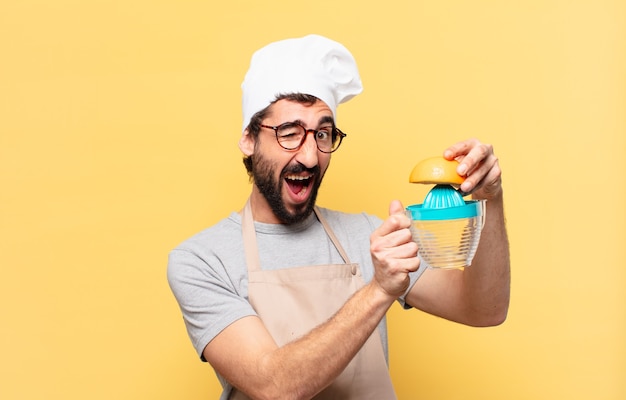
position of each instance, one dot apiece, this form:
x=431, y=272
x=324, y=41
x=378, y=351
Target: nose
x=308, y=153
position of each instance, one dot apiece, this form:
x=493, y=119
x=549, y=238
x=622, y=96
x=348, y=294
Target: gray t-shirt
x=208, y=275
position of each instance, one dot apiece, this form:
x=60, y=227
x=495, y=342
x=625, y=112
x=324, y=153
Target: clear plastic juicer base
x=448, y=237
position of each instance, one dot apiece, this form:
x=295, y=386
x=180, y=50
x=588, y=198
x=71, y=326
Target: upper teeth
x=297, y=177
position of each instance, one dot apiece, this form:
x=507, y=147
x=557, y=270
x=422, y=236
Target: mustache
x=299, y=168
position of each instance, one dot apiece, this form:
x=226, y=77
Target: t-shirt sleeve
x=208, y=299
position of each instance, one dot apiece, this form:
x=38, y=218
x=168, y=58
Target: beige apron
x=293, y=301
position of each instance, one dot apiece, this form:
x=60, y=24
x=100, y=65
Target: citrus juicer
x=445, y=226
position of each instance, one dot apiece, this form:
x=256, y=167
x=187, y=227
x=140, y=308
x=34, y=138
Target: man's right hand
x=394, y=252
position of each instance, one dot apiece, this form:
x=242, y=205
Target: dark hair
x=254, y=127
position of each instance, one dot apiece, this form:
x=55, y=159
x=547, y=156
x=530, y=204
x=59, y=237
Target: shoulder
x=207, y=252
x=214, y=236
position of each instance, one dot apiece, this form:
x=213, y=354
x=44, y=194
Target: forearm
x=486, y=288
x=304, y=367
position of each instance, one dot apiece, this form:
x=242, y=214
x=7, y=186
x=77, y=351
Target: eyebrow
x=324, y=120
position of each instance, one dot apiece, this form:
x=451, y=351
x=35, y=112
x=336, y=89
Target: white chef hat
x=312, y=65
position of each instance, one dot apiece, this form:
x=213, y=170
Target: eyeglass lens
x=292, y=135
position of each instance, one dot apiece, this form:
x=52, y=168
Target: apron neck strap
x=332, y=236
x=250, y=247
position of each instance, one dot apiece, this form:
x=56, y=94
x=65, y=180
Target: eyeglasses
x=292, y=135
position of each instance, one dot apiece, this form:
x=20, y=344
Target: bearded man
x=288, y=300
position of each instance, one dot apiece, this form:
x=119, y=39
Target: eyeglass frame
x=340, y=135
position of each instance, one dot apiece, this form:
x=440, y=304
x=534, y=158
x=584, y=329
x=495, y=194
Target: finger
x=477, y=155
x=459, y=149
x=481, y=173
x=398, y=237
x=396, y=207
x=469, y=153
x=406, y=250
x=490, y=185
x=408, y=262
x=402, y=258
x=397, y=220
x=385, y=245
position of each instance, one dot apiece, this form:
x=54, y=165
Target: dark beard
x=263, y=173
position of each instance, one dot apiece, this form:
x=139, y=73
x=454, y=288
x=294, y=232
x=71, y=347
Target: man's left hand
x=479, y=166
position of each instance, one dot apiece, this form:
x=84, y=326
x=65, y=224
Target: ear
x=246, y=143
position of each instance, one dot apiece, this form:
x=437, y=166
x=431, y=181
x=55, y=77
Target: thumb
x=396, y=207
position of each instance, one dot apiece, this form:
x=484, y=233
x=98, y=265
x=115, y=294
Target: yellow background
x=118, y=129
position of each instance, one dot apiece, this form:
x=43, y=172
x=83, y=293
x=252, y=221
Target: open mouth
x=299, y=185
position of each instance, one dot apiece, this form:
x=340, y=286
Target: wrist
x=493, y=196
x=379, y=296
